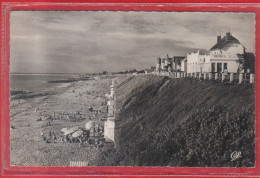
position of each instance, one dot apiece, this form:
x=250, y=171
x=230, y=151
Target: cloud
x=89, y=41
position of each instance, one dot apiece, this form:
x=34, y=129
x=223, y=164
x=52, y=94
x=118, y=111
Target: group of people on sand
x=77, y=135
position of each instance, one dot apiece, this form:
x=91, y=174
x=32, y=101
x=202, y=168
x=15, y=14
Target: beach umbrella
x=77, y=133
x=89, y=125
x=64, y=130
x=71, y=130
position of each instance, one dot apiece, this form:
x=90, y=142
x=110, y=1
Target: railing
x=223, y=77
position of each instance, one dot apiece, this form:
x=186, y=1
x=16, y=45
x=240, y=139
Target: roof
x=179, y=57
x=224, y=41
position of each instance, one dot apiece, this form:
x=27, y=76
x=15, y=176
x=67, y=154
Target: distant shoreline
x=47, y=74
x=64, y=80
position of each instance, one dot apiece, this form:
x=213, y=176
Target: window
x=219, y=67
x=213, y=67
x=225, y=66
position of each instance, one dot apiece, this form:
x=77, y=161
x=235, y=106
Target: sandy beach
x=69, y=104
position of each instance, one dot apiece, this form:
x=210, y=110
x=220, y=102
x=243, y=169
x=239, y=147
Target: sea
x=37, y=82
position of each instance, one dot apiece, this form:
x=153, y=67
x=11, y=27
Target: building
x=158, y=65
x=176, y=65
x=224, y=55
x=164, y=64
x=184, y=65
x=198, y=63
x=228, y=55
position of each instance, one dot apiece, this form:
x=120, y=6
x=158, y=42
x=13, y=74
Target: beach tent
x=89, y=125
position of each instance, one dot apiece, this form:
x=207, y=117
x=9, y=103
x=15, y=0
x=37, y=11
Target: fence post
x=252, y=78
x=181, y=74
x=210, y=76
x=216, y=76
x=205, y=76
x=178, y=74
x=199, y=75
x=231, y=77
x=240, y=79
x=184, y=74
x=223, y=77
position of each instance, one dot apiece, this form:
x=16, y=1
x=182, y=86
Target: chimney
x=228, y=35
x=158, y=60
x=218, y=38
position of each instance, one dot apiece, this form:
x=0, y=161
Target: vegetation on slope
x=184, y=122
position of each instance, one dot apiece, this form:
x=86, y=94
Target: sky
x=96, y=41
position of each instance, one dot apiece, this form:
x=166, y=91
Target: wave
x=20, y=94
x=69, y=80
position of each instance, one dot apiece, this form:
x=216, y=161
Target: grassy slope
x=184, y=122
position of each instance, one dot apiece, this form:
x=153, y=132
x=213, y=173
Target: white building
x=224, y=54
x=184, y=65
x=198, y=63
x=222, y=57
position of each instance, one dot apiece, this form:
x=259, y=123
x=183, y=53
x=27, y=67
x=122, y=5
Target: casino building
x=222, y=57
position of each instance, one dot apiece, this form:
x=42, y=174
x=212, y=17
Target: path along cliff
x=184, y=122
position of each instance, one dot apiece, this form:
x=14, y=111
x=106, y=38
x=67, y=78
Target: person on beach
x=43, y=136
x=94, y=131
x=98, y=128
x=54, y=136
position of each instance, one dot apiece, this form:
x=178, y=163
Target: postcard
x=153, y=89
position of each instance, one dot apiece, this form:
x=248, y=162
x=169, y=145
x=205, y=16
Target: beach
x=68, y=103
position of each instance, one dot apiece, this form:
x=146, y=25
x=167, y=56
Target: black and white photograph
x=132, y=88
